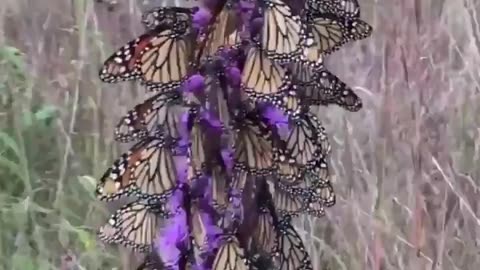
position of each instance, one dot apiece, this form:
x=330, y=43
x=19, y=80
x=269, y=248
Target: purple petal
x=195, y=83
x=234, y=75
x=236, y=199
x=174, y=234
x=278, y=118
x=227, y=158
x=181, y=163
x=275, y=116
x=183, y=127
x=170, y=237
x=201, y=18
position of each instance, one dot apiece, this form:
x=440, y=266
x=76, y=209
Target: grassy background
x=405, y=166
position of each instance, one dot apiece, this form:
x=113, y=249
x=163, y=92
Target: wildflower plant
x=227, y=151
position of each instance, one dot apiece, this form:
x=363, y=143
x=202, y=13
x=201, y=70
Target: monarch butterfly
x=262, y=241
x=289, y=102
x=219, y=189
x=230, y=256
x=318, y=173
x=199, y=228
x=306, y=141
x=315, y=194
x=314, y=187
x=303, y=73
x=282, y=32
x=261, y=77
x=135, y=225
x=327, y=89
x=326, y=194
x=222, y=32
x=166, y=15
x=263, y=236
x=147, y=170
x=233, y=40
x=342, y=8
x=218, y=92
x=289, y=173
x=286, y=200
x=252, y=145
x=159, y=58
x=289, y=251
x=197, y=155
x=158, y=111
x=239, y=180
x=201, y=153
x=266, y=81
x=222, y=107
x=327, y=33
x=232, y=216
x=319, y=180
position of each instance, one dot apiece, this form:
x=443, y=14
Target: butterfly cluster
x=226, y=152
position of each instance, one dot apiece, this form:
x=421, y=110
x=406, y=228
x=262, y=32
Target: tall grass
x=405, y=167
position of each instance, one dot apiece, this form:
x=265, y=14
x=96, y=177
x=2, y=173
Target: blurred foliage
x=41, y=217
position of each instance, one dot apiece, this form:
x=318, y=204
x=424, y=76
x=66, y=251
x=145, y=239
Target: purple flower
x=234, y=75
x=184, y=134
x=174, y=234
x=195, y=83
x=205, y=213
x=181, y=163
x=274, y=115
x=277, y=118
x=201, y=18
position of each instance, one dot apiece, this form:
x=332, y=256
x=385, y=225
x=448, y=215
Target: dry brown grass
x=405, y=166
